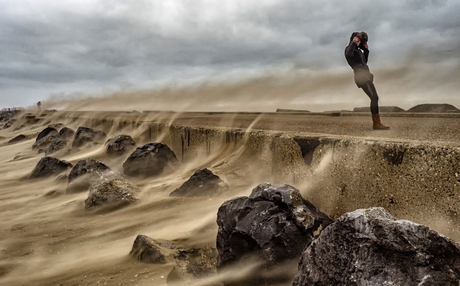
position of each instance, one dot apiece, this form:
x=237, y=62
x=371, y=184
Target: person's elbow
x=349, y=53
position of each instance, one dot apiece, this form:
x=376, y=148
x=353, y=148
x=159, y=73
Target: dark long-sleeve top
x=356, y=58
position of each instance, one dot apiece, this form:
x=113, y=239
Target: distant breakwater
x=414, y=181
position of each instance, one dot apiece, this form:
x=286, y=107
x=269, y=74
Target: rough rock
x=49, y=166
x=201, y=183
x=88, y=172
x=193, y=264
x=17, y=139
x=85, y=135
x=434, y=108
x=45, y=138
x=149, y=160
x=370, y=247
x=113, y=193
x=66, y=132
x=146, y=250
x=47, y=132
x=120, y=144
x=273, y=225
x=55, y=146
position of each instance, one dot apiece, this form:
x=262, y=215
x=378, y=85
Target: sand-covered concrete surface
x=337, y=162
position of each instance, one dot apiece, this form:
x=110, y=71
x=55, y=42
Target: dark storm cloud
x=53, y=48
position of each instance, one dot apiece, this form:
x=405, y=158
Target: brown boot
x=377, y=125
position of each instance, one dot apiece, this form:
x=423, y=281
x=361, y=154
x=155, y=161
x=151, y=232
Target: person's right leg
x=370, y=90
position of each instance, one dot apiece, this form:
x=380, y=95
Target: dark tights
x=369, y=89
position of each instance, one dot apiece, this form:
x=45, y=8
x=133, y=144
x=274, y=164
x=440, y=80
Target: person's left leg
x=369, y=89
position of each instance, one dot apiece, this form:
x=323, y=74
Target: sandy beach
x=48, y=238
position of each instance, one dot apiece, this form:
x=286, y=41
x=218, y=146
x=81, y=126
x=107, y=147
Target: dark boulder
x=55, y=146
x=370, y=247
x=45, y=138
x=120, y=144
x=85, y=135
x=272, y=226
x=149, y=160
x=193, y=264
x=201, y=183
x=66, y=132
x=112, y=193
x=434, y=108
x=87, y=166
x=146, y=250
x=49, y=166
x=47, y=132
x=19, y=138
x=88, y=172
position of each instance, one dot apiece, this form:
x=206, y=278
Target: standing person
x=39, y=106
x=357, y=54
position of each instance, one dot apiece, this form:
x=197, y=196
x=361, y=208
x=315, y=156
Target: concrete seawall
x=418, y=181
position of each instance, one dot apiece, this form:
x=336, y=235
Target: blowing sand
x=48, y=238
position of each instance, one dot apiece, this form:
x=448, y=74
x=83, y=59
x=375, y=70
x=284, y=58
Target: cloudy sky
x=59, y=49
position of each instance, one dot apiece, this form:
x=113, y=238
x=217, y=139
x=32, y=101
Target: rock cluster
x=273, y=225
x=50, y=140
x=106, y=188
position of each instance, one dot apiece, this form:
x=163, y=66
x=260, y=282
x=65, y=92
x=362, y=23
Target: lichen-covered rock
x=112, y=193
x=201, y=183
x=273, y=225
x=145, y=250
x=149, y=160
x=85, y=135
x=88, y=172
x=49, y=166
x=370, y=247
x=120, y=144
x=193, y=264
